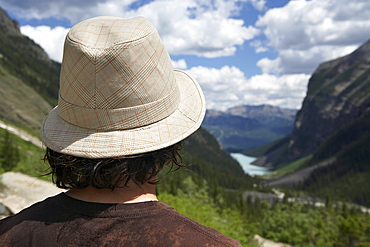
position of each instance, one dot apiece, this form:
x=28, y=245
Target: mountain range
x=338, y=96
x=244, y=127
x=28, y=78
x=29, y=83
x=330, y=134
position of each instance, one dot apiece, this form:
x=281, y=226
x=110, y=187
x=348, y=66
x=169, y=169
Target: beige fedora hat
x=119, y=94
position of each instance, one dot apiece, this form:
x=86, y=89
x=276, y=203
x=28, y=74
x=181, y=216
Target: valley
x=318, y=158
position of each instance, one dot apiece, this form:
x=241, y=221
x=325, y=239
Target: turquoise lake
x=245, y=162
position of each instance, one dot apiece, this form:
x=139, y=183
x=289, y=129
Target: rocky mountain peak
x=253, y=111
x=338, y=95
x=246, y=126
x=9, y=25
x=12, y=36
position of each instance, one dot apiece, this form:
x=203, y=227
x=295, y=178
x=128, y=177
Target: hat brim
x=63, y=137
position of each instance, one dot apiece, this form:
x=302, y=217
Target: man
x=121, y=114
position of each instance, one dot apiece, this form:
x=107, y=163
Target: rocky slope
x=28, y=78
x=331, y=133
x=338, y=94
x=12, y=26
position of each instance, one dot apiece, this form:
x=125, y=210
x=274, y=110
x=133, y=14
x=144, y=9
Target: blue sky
x=240, y=51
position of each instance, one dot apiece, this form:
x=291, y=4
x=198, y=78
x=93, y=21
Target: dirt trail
x=22, y=134
x=21, y=190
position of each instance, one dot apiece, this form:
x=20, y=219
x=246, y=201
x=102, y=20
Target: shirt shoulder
x=193, y=230
x=109, y=224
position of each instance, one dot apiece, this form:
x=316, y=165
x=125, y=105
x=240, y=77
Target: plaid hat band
x=121, y=118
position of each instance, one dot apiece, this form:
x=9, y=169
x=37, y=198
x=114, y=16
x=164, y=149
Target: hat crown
x=116, y=74
x=106, y=31
x=119, y=94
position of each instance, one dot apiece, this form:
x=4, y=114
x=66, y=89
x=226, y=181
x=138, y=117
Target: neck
x=130, y=194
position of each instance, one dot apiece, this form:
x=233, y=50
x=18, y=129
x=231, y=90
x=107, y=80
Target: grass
x=31, y=157
x=289, y=168
x=21, y=105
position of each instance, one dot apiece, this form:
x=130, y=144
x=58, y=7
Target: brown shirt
x=64, y=221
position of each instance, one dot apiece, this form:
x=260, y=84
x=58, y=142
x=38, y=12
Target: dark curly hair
x=71, y=172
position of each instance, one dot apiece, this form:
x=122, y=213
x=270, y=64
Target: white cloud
x=228, y=87
x=69, y=9
x=306, y=33
x=258, y=4
x=179, y=64
x=195, y=27
x=270, y=65
x=50, y=39
x=188, y=27
x=258, y=45
x=291, y=61
x=303, y=33
x=286, y=91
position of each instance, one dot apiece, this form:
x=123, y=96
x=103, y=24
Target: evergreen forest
x=215, y=199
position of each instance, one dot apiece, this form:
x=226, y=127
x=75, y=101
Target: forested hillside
x=347, y=177
x=332, y=132
x=28, y=78
x=27, y=61
x=338, y=93
x=211, y=188
x=224, y=209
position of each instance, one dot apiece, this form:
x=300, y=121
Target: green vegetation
x=356, y=94
x=204, y=156
x=315, y=82
x=29, y=80
x=317, y=79
x=27, y=61
x=297, y=224
x=21, y=105
x=201, y=198
x=345, y=178
x=210, y=189
x=9, y=154
x=18, y=155
x=193, y=201
x=289, y=168
x=191, y=192
x=306, y=225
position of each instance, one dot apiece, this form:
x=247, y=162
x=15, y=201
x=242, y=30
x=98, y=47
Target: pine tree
x=9, y=153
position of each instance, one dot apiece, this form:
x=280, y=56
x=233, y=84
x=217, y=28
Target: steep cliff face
x=10, y=31
x=331, y=133
x=338, y=93
x=9, y=25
